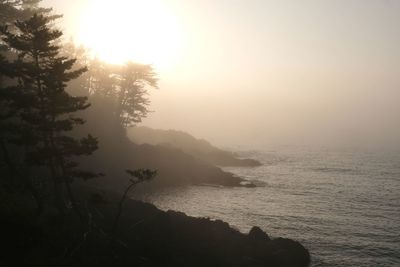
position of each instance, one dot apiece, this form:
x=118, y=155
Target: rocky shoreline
x=145, y=236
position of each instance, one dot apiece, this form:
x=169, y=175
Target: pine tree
x=6, y=114
x=12, y=10
x=45, y=107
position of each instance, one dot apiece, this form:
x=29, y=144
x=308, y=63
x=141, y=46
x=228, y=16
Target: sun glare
x=117, y=31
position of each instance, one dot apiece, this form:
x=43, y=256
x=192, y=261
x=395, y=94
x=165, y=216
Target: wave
x=336, y=169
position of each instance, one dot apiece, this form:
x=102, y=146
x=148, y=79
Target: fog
x=262, y=73
x=238, y=132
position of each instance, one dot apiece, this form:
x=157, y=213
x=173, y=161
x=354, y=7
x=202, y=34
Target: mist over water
x=344, y=206
x=78, y=77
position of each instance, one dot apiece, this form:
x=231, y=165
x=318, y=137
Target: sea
x=342, y=205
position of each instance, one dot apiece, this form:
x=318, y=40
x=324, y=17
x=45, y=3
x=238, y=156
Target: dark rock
x=257, y=234
x=198, y=148
x=146, y=236
x=287, y=252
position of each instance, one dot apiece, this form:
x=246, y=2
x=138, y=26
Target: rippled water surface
x=343, y=206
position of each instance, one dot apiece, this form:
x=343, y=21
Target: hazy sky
x=251, y=72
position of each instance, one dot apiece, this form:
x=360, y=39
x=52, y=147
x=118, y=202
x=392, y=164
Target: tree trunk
x=58, y=195
x=7, y=160
x=13, y=174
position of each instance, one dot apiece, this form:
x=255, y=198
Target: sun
x=143, y=31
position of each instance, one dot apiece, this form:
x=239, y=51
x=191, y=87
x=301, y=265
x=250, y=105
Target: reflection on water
x=344, y=207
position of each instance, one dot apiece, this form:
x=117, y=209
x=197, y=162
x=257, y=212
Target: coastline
x=146, y=236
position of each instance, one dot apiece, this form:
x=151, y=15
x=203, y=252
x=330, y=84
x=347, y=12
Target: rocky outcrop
x=174, y=167
x=180, y=240
x=117, y=153
x=144, y=236
x=198, y=148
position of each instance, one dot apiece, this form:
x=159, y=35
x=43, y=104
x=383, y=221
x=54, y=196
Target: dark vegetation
x=198, y=148
x=64, y=149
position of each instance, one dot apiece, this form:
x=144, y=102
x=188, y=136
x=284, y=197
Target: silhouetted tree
x=12, y=170
x=120, y=90
x=13, y=10
x=6, y=115
x=14, y=132
x=137, y=176
x=132, y=101
x=44, y=106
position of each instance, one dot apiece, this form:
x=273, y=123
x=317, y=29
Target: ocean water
x=344, y=206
